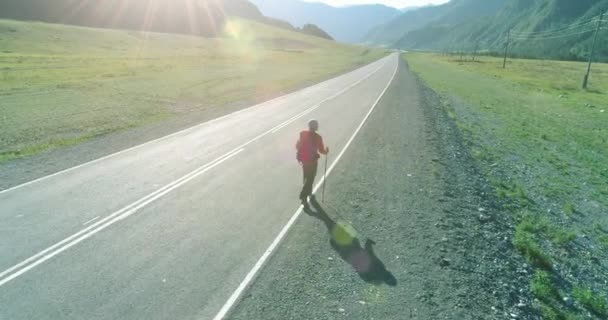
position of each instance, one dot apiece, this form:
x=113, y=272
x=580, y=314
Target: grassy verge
x=61, y=85
x=541, y=141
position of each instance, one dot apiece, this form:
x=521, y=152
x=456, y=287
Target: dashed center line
x=84, y=224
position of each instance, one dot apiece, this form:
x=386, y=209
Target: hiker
x=308, y=147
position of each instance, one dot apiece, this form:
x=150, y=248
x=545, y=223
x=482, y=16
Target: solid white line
x=115, y=219
x=263, y=259
x=183, y=131
x=84, y=224
x=61, y=246
x=85, y=230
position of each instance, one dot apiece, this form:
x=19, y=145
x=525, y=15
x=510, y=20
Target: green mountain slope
x=451, y=13
x=202, y=18
x=314, y=30
x=346, y=24
x=557, y=29
x=178, y=16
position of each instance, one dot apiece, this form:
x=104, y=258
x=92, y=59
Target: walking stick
x=324, y=180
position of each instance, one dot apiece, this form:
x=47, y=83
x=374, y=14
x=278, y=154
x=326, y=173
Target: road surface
x=175, y=228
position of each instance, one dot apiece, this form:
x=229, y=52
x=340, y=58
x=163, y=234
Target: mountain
x=313, y=30
x=412, y=8
x=557, y=29
x=177, y=16
x=202, y=17
x=453, y=12
x=573, y=21
x=346, y=24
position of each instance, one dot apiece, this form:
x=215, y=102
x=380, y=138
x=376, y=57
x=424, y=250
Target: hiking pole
x=324, y=180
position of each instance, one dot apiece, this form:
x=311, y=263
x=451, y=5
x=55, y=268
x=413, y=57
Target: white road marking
x=263, y=259
x=48, y=253
x=108, y=221
x=294, y=118
x=84, y=224
x=337, y=94
x=179, y=132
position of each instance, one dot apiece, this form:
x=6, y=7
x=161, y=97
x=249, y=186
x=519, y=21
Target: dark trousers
x=310, y=172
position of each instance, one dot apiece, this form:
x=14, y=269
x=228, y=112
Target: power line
x=551, y=37
x=559, y=30
x=563, y=28
x=553, y=32
x=487, y=42
x=579, y=23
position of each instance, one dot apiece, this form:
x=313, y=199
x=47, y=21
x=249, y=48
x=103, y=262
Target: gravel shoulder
x=440, y=249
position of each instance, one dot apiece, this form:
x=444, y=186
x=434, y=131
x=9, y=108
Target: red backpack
x=307, y=147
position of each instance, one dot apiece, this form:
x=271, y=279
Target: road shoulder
x=440, y=249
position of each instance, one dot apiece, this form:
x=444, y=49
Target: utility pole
x=504, y=63
x=475, y=51
x=597, y=30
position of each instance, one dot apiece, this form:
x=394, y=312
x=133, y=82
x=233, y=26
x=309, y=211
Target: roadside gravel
x=441, y=249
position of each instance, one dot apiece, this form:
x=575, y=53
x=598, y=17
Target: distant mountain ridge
x=176, y=16
x=201, y=18
x=412, y=8
x=462, y=25
x=453, y=12
x=346, y=24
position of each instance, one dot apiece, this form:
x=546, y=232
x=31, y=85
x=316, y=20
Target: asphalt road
x=171, y=228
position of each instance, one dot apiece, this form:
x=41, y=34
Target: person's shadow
x=363, y=259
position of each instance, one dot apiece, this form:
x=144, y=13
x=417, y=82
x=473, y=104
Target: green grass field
x=61, y=85
x=542, y=142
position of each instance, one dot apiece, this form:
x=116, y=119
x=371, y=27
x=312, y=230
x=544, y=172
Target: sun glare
x=244, y=41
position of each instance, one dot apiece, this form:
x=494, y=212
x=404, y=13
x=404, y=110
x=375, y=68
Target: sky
x=393, y=3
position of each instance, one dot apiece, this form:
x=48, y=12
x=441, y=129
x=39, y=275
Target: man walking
x=309, y=145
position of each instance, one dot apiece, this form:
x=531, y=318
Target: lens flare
x=233, y=29
x=343, y=234
x=243, y=42
x=361, y=261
